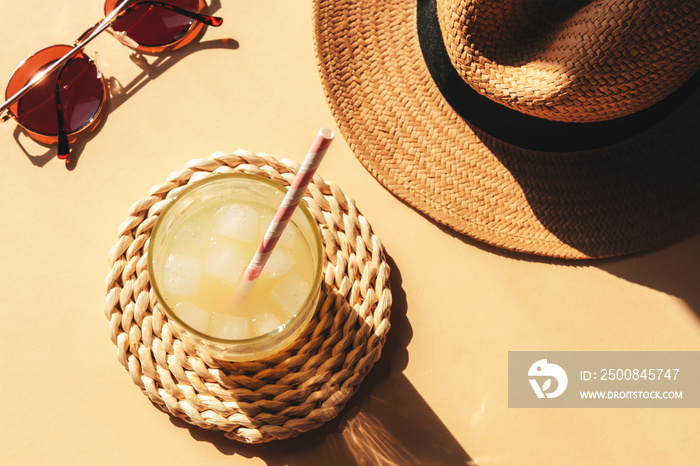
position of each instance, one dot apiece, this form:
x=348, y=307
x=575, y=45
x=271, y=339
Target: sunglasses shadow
x=40, y=154
x=151, y=70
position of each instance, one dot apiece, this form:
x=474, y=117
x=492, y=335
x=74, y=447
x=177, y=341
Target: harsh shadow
x=37, y=153
x=616, y=192
x=674, y=270
x=41, y=154
x=386, y=422
x=151, y=70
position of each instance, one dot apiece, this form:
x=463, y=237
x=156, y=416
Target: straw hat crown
x=573, y=60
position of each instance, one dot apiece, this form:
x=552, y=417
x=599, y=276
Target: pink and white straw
x=284, y=213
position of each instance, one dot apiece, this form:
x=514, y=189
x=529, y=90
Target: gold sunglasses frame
x=78, y=45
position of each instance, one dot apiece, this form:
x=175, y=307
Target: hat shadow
x=386, y=421
x=674, y=270
x=616, y=189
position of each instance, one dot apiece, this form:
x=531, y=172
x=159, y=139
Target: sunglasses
x=58, y=93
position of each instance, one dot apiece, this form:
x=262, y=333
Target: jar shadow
x=386, y=421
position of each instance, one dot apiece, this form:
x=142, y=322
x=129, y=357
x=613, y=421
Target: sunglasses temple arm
x=206, y=19
x=101, y=26
x=63, y=150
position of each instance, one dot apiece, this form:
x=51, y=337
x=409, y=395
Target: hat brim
x=635, y=195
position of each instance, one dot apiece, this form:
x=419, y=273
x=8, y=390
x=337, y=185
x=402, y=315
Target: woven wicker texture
x=635, y=195
x=283, y=395
x=574, y=60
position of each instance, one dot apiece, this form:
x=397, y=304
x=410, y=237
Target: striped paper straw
x=284, y=213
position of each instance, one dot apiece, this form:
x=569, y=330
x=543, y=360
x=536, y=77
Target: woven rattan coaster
x=283, y=395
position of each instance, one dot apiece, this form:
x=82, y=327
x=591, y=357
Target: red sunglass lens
x=81, y=92
x=152, y=25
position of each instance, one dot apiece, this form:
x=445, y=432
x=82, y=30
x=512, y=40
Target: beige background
x=439, y=393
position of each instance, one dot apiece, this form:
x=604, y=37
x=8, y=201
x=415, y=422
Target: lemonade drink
x=199, y=250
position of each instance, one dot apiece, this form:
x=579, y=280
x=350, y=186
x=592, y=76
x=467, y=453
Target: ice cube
x=278, y=264
x=289, y=236
x=265, y=221
x=291, y=292
x=228, y=326
x=239, y=221
x=189, y=238
x=181, y=274
x=265, y=323
x=194, y=316
x=225, y=261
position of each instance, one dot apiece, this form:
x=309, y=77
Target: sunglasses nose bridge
x=87, y=33
x=98, y=66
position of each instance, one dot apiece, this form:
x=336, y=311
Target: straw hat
x=558, y=128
